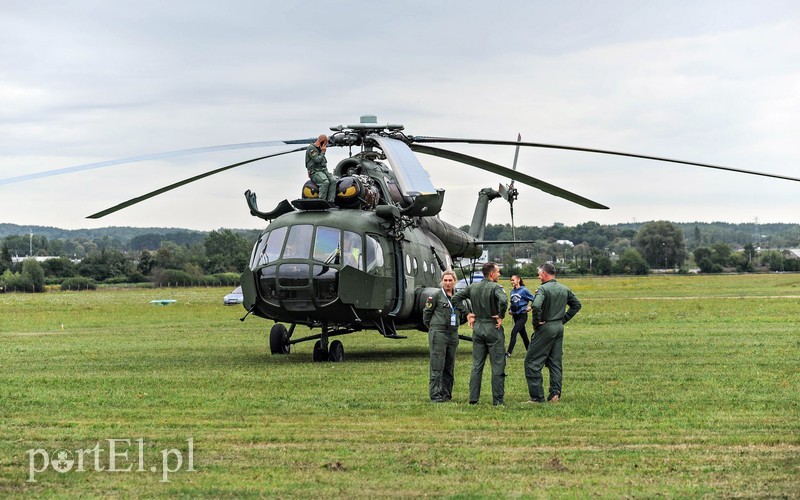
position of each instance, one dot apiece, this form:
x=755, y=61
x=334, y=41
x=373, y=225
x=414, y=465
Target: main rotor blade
x=507, y=172
x=153, y=156
x=451, y=140
x=164, y=189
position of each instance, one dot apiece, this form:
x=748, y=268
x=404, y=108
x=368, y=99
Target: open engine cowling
x=355, y=191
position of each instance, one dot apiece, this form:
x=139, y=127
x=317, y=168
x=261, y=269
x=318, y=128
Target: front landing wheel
x=279, y=339
x=337, y=352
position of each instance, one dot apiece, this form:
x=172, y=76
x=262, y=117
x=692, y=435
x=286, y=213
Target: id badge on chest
x=453, y=320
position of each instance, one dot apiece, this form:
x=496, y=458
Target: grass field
x=677, y=386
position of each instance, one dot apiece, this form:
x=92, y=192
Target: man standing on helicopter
x=317, y=166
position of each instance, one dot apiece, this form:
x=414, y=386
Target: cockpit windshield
x=298, y=243
x=326, y=246
x=331, y=246
x=268, y=248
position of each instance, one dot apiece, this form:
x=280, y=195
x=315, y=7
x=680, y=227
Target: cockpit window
x=298, y=244
x=352, y=252
x=269, y=247
x=326, y=245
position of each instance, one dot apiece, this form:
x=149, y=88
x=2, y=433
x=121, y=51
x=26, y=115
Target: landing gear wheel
x=319, y=353
x=279, y=339
x=337, y=352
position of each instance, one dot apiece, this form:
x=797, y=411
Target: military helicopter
x=369, y=260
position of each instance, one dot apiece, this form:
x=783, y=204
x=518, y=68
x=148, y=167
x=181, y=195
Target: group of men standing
x=552, y=305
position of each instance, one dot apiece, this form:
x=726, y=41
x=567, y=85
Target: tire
x=337, y=352
x=319, y=354
x=279, y=339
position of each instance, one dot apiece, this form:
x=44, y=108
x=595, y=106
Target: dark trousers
x=519, y=327
x=545, y=349
x=443, y=345
x=488, y=341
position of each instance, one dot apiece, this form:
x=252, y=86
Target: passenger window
x=374, y=254
x=326, y=245
x=298, y=244
x=352, y=251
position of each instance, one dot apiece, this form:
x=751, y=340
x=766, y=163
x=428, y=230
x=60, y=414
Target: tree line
x=639, y=248
x=217, y=258
x=175, y=256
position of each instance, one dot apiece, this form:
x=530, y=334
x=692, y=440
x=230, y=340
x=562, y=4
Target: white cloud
x=714, y=82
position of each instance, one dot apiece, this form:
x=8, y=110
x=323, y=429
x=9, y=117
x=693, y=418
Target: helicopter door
x=373, y=287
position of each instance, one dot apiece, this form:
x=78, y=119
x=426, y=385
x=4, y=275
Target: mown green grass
x=676, y=386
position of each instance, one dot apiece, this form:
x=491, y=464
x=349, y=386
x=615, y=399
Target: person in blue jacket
x=521, y=298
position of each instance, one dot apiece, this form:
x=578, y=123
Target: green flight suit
x=488, y=299
x=317, y=166
x=549, y=313
x=443, y=340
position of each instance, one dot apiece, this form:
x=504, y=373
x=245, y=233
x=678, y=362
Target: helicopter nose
x=298, y=286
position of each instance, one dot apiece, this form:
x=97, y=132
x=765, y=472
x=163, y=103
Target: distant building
x=792, y=253
x=16, y=259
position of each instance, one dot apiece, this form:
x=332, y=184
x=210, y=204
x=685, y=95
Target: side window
x=269, y=249
x=257, y=249
x=298, y=244
x=326, y=245
x=352, y=250
x=408, y=264
x=374, y=254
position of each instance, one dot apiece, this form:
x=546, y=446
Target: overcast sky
x=708, y=81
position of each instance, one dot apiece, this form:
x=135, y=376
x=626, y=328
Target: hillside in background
x=121, y=233
x=777, y=235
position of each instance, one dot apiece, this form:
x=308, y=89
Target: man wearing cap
x=317, y=166
x=553, y=305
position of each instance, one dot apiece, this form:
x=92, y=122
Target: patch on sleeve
x=429, y=303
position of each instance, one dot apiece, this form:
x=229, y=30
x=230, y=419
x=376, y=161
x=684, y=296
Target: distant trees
x=61, y=267
x=226, y=251
x=30, y=279
x=662, y=244
x=602, y=266
x=5, y=257
x=78, y=283
x=631, y=262
x=116, y=255
x=106, y=264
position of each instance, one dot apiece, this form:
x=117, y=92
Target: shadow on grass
x=360, y=356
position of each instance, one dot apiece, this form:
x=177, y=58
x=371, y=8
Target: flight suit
x=549, y=306
x=317, y=166
x=488, y=299
x=443, y=340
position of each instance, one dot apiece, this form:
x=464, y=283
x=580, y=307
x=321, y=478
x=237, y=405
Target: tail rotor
x=510, y=194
